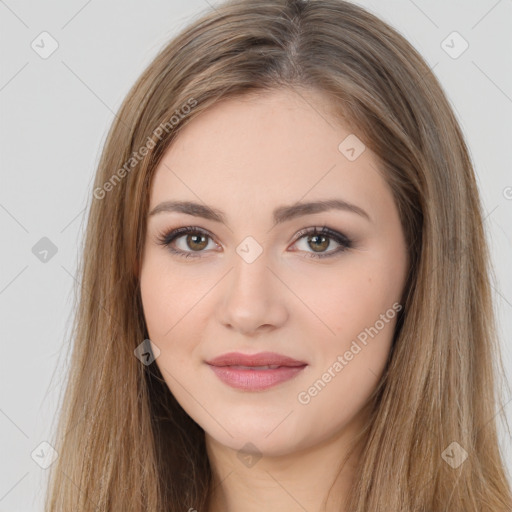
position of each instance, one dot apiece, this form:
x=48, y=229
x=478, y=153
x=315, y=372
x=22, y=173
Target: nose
x=252, y=298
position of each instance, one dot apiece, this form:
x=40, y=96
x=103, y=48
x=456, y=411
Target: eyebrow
x=280, y=214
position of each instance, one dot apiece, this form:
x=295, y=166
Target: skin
x=247, y=156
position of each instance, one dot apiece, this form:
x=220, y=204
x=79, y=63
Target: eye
x=321, y=239
x=195, y=240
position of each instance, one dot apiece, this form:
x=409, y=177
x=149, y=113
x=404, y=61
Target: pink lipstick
x=255, y=372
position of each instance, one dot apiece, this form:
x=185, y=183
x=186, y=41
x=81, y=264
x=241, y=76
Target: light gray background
x=55, y=113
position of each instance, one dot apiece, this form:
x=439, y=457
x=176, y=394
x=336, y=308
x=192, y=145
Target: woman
x=285, y=299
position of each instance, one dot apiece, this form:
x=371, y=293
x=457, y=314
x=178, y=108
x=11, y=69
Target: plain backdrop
x=55, y=113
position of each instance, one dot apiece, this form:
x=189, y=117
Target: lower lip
x=255, y=380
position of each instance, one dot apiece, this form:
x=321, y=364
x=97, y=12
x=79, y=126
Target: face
x=251, y=276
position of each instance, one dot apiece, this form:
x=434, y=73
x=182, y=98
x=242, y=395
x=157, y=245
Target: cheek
x=167, y=312
x=158, y=304
x=349, y=364
x=346, y=299
x=356, y=311
x=174, y=303
x=168, y=297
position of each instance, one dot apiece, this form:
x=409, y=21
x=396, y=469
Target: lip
x=260, y=359
x=227, y=368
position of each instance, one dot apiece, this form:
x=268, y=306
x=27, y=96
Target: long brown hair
x=124, y=443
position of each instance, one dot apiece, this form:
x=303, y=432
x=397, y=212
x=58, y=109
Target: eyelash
x=166, y=238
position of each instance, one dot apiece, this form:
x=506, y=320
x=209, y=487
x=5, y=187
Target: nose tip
x=251, y=300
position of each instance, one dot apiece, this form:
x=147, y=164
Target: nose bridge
x=251, y=297
x=250, y=278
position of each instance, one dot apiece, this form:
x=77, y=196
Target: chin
x=256, y=442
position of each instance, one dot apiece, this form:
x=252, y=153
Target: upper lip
x=261, y=359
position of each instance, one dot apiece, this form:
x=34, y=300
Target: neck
x=316, y=479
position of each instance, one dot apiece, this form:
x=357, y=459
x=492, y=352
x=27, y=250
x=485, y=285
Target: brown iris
x=316, y=237
x=198, y=241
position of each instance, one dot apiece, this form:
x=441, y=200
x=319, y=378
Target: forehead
x=275, y=148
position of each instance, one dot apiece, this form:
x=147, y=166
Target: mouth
x=255, y=372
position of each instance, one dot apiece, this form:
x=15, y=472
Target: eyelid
x=324, y=230
x=344, y=242
x=166, y=237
